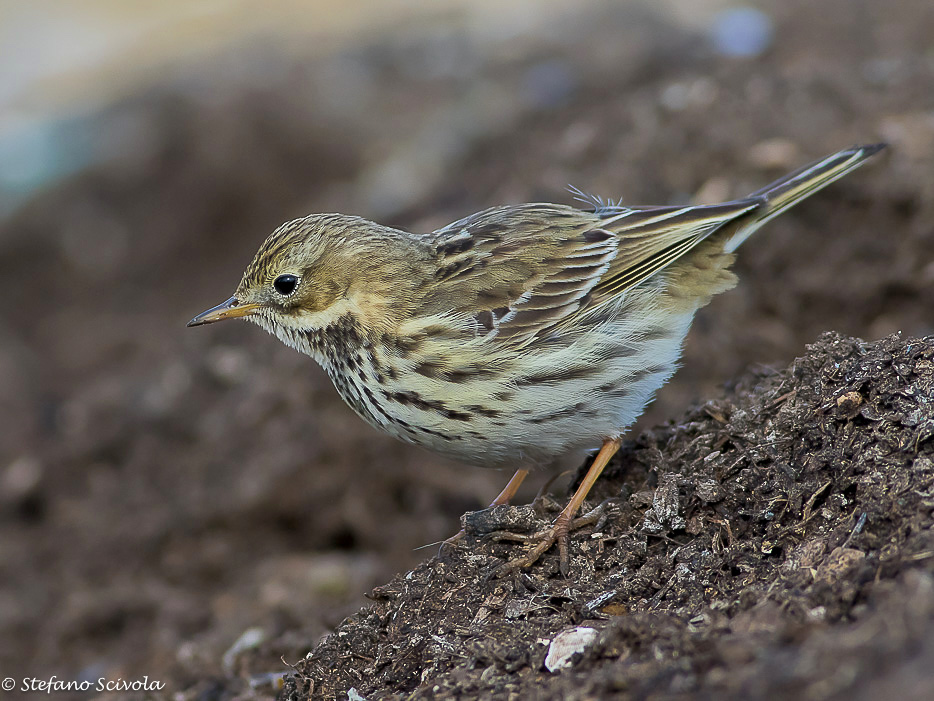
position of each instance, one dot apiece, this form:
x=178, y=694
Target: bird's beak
x=225, y=310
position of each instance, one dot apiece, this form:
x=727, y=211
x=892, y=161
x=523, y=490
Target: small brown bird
x=520, y=336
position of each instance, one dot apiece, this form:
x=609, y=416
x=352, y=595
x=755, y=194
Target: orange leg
x=562, y=525
x=509, y=491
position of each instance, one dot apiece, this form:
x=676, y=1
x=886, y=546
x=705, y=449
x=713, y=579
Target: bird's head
x=310, y=272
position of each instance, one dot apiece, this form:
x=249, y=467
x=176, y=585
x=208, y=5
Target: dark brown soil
x=197, y=504
x=775, y=543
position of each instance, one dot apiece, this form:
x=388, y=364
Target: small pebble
x=567, y=644
x=742, y=31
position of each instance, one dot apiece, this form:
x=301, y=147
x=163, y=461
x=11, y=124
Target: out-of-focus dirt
x=165, y=490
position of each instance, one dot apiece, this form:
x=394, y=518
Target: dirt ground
x=775, y=543
x=198, y=506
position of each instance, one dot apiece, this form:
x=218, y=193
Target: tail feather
x=794, y=187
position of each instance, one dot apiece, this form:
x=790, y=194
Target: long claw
x=564, y=559
x=543, y=542
x=450, y=542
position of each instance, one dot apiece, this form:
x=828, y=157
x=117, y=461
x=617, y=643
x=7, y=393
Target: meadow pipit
x=520, y=336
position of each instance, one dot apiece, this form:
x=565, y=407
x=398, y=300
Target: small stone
x=664, y=515
x=742, y=31
x=839, y=564
x=250, y=639
x=848, y=404
x=566, y=645
x=21, y=478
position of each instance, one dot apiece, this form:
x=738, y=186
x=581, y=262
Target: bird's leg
x=558, y=532
x=543, y=500
x=504, y=497
x=509, y=491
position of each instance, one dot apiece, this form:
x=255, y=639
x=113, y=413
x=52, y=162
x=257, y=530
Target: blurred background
x=166, y=492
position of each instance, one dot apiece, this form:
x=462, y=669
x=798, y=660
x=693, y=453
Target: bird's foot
x=451, y=542
x=558, y=532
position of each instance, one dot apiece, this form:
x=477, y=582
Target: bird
x=521, y=336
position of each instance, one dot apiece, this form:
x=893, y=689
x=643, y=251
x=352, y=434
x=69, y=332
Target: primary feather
x=528, y=268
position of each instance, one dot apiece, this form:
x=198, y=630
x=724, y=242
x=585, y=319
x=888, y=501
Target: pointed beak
x=225, y=310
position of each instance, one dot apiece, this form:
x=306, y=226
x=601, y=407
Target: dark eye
x=285, y=284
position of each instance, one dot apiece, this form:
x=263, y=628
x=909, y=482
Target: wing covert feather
x=520, y=271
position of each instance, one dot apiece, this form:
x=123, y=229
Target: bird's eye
x=285, y=284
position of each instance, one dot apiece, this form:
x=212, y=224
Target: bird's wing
x=652, y=238
x=522, y=271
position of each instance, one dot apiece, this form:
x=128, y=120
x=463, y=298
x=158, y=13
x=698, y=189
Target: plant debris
x=774, y=542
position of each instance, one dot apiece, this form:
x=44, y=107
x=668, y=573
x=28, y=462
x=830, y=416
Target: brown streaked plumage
x=520, y=336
